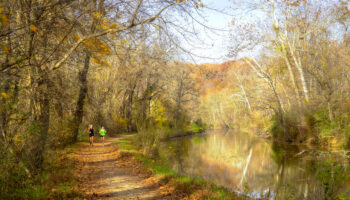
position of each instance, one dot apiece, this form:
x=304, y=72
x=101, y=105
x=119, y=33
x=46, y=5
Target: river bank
x=252, y=165
x=183, y=187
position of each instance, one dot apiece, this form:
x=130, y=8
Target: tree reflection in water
x=274, y=170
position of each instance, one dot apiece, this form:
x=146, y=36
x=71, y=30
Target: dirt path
x=103, y=174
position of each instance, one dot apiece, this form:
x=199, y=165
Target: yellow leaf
x=95, y=60
x=77, y=37
x=4, y=95
x=114, y=26
x=33, y=27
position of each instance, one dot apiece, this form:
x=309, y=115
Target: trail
x=103, y=174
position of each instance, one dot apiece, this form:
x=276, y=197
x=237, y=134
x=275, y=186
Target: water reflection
x=244, y=162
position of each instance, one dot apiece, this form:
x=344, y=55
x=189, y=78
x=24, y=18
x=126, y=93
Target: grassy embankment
x=194, y=187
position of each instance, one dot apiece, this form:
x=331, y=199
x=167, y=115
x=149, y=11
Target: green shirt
x=103, y=132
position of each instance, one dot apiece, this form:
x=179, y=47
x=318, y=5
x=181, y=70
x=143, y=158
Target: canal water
x=259, y=168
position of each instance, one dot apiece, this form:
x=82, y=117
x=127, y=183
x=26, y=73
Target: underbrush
x=54, y=181
x=312, y=126
x=194, y=187
x=287, y=129
x=197, y=126
x=148, y=140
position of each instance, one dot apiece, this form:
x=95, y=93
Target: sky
x=214, y=47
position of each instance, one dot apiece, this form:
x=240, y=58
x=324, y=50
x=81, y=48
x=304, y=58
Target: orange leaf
x=4, y=20
x=33, y=27
x=6, y=49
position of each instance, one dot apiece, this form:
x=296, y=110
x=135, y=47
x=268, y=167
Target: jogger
x=91, y=135
x=102, y=135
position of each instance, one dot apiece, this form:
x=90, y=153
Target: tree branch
x=111, y=30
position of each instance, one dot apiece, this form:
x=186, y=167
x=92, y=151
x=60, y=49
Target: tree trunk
x=79, y=112
x=7, y=109
x=41, y=122
x=243, y=91
x=281, y=40
x=44, y=122
x=303, y=83
x=3, y=114
x=267, y=77
x=129, y=107
x=129, y=114
x=291, y=73
x=178, y=103
x=330, y=111
x=246, y=97
x=299, y=67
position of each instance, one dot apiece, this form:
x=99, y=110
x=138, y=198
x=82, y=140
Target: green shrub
x=197, y=128
x=289, y=130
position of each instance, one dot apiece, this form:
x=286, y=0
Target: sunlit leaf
x=33, y=27
x=5, y=95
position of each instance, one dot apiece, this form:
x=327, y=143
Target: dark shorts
x=91, y=135
x=101, y=135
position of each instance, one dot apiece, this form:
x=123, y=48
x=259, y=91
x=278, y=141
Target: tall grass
x=148, y=139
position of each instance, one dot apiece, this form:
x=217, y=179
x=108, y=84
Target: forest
x=121, y=64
